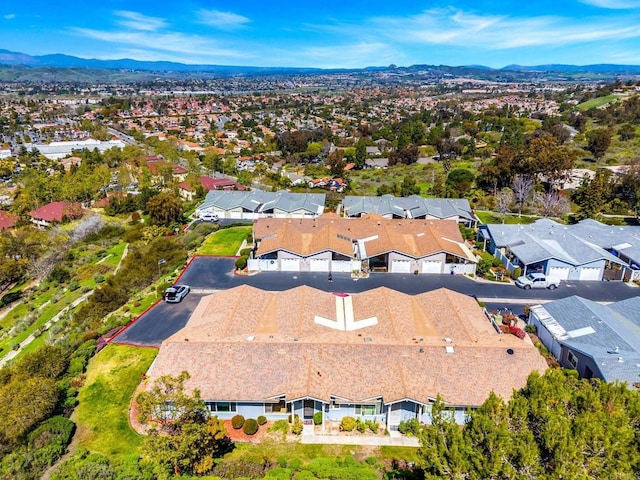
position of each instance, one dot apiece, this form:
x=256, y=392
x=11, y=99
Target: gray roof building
x=257, y=203
x=624, y=241
x=597, y=340
x=581, y=244
x=410, y=207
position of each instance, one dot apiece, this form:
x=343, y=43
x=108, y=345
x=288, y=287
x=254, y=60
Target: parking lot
x=208, y=274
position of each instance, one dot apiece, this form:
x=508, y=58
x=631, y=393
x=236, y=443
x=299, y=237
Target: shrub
x=241, y=262
x=280, y=426
x=245, y=252
x=262, y=420
x=297, y=426
x=237, y=422
x=10, y=298
x=518, y=332
x=317, y=418
x=250, y=427
x=360, y=425
x=409, y=427
x=347, y=424
x=74, y=286
x=530, y=328
x=372, y=426
x=517, y=272
x=98, y=278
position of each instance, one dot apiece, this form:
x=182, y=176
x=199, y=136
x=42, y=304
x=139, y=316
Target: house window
x=221, y=406
x=280, y=407
x=368, y=409
x=573, y=360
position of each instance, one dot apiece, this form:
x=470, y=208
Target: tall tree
x=522, y=187
x=598, y=141
x=165, y=208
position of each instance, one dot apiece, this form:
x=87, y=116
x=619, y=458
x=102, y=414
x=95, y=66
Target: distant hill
x=16, y=66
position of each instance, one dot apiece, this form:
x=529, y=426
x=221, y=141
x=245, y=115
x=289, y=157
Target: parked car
x=209, y=217
x=176, y=293
x=537, y=280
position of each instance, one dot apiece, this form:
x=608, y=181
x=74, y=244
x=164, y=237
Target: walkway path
x=13, y=353
x=373, y=440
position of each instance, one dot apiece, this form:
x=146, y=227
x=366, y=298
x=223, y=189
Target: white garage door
x=319, y=264
x=432, y=266
x=559, y=272
x=340, y=266
x=400, y=266
x=590, y=273
x=290, y=265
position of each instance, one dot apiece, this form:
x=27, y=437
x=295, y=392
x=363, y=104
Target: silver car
x=176, y=293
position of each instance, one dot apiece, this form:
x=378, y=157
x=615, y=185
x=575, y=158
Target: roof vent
x=620, y=360
x=510, y=351
x=250, y=338
x=448, y=348
x=421, y=350
x=615, y=351
x=448, y=340
x=295, y=339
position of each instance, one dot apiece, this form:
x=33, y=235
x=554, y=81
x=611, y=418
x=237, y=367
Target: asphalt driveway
x=208, y=274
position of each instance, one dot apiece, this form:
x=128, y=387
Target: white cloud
x=137, y=21
x=9, y=16
x=222, y=20
x=344, y=56
x=451, y=27
x=613, y=4
x=175, y=42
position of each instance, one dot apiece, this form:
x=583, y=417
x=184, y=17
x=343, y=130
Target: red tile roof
x=7, y=220
x=56, y=211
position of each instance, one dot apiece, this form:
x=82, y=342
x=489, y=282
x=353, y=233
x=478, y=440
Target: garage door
x=590, y=273
x=290, y=265
x=319, y=264
x=400, y=266
x=559, y=272
x=432, y=266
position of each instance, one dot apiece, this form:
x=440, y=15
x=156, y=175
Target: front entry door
x=309, y=408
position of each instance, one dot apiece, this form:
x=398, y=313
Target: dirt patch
x=240, y=436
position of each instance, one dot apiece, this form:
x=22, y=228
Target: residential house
x=331, y=243
x=5, y=152
x=187, y=191
x=599, y=341
x=388, y=206
x=7, y=220
x=254, y=204
x=55, y=212
x=156, y=166
x=376, y=163
x=380, y=355
x=569, y=252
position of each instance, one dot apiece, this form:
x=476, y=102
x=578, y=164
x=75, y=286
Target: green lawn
x=307, y=452
x=491, y=217
x=224, y=242
x=102, y=416
x=597, y=102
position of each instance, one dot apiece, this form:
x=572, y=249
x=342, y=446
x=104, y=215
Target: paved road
x=208, y=274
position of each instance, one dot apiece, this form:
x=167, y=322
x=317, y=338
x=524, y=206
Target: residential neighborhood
x=381, y=261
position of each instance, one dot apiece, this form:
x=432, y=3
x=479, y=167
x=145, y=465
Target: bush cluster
x=410, y=427
x=250, y=426
x=237, y=422
x=347, y=424
x=261, y=420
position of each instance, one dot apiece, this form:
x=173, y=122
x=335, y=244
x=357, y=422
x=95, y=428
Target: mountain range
x=43, y=64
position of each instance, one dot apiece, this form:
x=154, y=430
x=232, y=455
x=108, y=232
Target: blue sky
x=329, y=33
